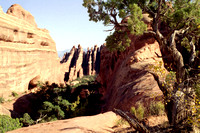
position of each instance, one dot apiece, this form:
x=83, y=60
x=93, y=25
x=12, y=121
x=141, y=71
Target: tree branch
x=159, y=9
x=162, y=85
x=193, y=52
x=133, y=122
x=164, y=57
x=177, y=56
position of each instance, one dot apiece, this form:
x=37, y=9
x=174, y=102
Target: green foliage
x=26, y=120
x=8, y=124
x=185, y=43
x=157, y=108
x=139, y=112
x=113, y=11
x=56, y=102
x=170, y=78
x=85, y=80
x=133, y=110
x=2, y=100
x=135, y=24
x=182, y=14
x=14, y=94
x=121, y=122
x=118, y=41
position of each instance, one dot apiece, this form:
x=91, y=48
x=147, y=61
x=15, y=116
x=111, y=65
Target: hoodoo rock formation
x=77, y=63
x=125, y=76
x=27, y=53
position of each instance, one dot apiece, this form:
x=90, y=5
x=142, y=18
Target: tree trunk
x=179, y=107
x=179, y=104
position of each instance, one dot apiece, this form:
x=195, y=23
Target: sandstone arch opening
x=33, y=83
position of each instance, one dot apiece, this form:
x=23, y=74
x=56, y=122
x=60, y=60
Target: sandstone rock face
x=27, y=54
x=4, y=111
x=124, y=76
x=19, y=12
x=78, y=63
x=101, y=123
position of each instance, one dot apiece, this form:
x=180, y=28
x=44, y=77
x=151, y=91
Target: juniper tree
x=179, y=43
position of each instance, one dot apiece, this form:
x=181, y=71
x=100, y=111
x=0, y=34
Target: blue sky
x=67, y=21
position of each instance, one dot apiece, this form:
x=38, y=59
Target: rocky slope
x=124, y=76
x=77, y=63
x=27, y=53
x=102, y=123
x=107, y=122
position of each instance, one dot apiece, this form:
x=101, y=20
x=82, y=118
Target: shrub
x=121, y=122
x=52, y=102
x=157, y=108
x=85, y=80
x=14, y=94
x=2, y=99
x=8, y=124
x=53, y=112
x=133, y=110
x=139, y=112
x=26, y=120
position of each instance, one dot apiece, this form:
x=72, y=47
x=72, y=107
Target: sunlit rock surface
x=27, y=53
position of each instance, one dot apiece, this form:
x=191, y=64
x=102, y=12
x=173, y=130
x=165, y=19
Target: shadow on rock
x=24, y=104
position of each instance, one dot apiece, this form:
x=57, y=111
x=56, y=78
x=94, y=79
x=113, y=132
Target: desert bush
x=8, y=124
x=139, y=112
x=85, y=80
x=26, y=120
x=2, y=99
x=121, y=122
x=157, y=108
x=133, y=110
x=14, y=94
x=52, y=112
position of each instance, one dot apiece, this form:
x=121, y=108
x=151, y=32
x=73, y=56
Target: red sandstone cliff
x=124, y=76
x=27, y=53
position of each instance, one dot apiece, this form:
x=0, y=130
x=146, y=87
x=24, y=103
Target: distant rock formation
x=77, y=63
x=27, y=54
